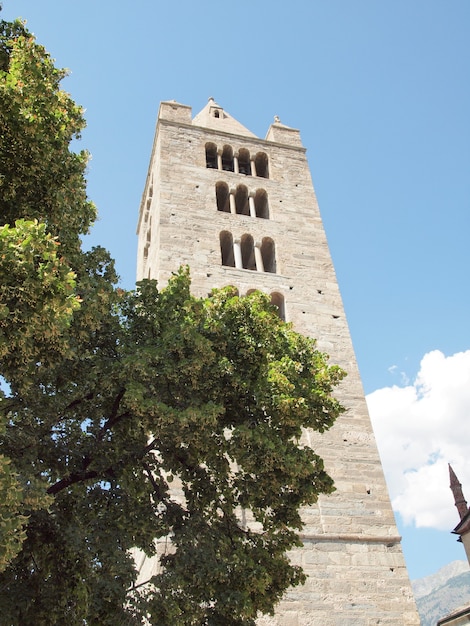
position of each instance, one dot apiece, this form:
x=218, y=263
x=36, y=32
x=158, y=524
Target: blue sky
x=380, y=90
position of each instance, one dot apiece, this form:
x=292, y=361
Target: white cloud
x=420, y=428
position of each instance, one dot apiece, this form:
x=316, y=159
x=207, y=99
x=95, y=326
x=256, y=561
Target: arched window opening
x=241, y=200
x=227, y=159
x=222, y=195
x=244, y=165
x=211, y=156
x=226, y=248
x=232, y=290
x=269, y=255
x=261, y=204
x=216, y=113
x=261, y=164
x=248, y=253
x=277, y=300
x=148, y=240
x=250, y=291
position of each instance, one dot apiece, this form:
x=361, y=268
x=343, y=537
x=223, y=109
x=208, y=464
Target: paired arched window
x=277, y=300
x=211, y=156
x=242, y=206
x=226, y=249
x=245, y=254
x=247, y=248
x=268, y=255
x=261, y=204
x=240, y=163
x=244, y=165
x=241, y=201
x=227, y=159
x=261, y=165
x=148, y=241
x=222, y=195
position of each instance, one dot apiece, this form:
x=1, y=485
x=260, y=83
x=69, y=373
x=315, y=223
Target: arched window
x=226, y=248
x=261, y=165
x=277, y=299
x=244, y=165
x=148, y=241
x=241, y=200
x=261, y=204
x=222, y=195
x=230, y=291
x=211, y=156
x=268, y=254
x=227, y=159
x=248, y=252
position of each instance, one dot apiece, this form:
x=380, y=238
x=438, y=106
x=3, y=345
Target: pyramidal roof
x=213, y=116
x=457, y=492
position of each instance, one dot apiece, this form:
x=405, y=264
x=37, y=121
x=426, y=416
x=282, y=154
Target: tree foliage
x=132, y=416
x=41, y=178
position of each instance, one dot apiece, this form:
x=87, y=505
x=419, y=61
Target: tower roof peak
x=213, y=116
x=457, y=492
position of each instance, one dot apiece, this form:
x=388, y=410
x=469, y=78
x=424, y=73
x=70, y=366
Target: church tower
x=463, y=527
x=242, y=211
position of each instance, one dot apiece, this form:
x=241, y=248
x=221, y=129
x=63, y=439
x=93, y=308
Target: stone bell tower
x=242, y=211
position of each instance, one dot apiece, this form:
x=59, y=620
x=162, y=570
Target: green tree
x=36, y=305
x=40, y=177
x=134, y=416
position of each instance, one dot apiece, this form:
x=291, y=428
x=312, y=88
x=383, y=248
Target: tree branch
x=114, y=418
x=75, y=477
x=78, y=477
x=78, y=401
x=153, y=482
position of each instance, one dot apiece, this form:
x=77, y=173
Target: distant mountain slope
x=423, y=586
x=443, y=592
